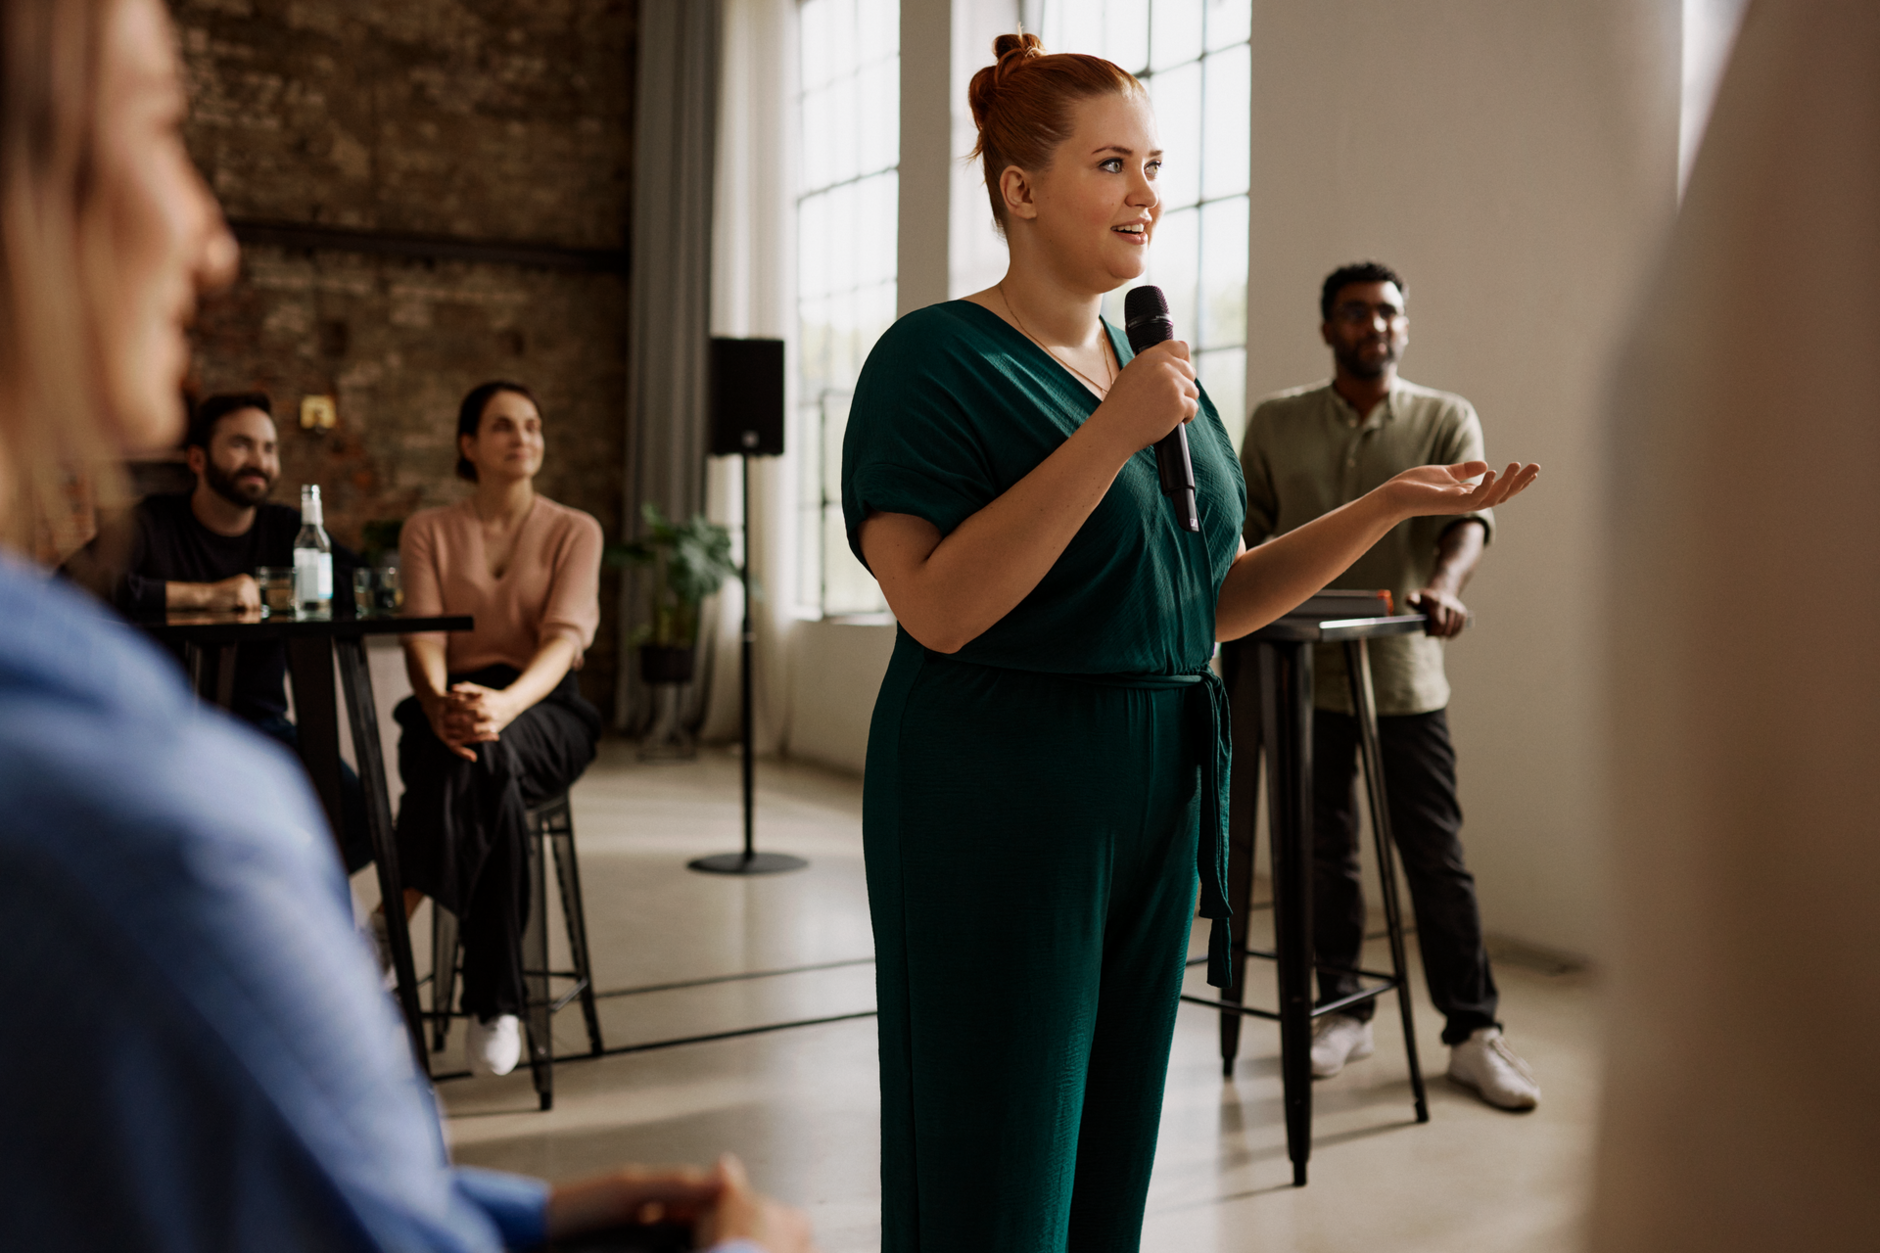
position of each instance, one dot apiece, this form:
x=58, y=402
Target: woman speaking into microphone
x=1047, y=756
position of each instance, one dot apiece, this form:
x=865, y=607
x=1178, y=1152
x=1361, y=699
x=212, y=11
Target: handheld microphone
x=1146, y=323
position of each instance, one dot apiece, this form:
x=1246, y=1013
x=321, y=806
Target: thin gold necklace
x=1103, y=389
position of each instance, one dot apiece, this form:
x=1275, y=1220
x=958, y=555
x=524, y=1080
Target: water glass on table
x=376, y=592
x=277, y=590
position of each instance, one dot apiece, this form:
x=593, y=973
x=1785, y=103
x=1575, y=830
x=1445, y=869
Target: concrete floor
x=800, y=1105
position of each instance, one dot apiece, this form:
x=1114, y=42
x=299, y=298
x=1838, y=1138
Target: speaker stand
x=749, y=861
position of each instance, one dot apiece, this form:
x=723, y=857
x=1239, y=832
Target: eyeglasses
x=1361, y=315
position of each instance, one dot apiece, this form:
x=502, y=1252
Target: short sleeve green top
x=954, y=406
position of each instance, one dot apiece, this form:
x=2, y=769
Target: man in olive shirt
x=1306, y=452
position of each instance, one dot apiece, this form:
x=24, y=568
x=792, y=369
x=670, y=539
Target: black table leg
x=211, y=670
x=1358, y=666
x=355, y=674
x=225, y=675
x=1240, y=672
x=1286, y=710
x=316, y=714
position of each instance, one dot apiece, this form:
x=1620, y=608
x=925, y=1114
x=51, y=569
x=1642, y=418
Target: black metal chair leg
x=1358, y=666
x=443, y=973
x=568, y=875
x=539, y=1015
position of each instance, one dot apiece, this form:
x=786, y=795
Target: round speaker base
x=756, y=863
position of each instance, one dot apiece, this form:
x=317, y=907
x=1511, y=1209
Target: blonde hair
x=57, y=451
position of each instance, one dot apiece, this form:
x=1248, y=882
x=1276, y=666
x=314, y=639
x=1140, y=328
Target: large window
x=846, y=208
x=1194, y=56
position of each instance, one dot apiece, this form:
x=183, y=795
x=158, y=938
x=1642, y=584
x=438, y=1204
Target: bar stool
x=1274, y=667
x=549, y=824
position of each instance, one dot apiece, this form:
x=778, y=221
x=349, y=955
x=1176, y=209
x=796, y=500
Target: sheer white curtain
x=753, y=294
x=675, y=130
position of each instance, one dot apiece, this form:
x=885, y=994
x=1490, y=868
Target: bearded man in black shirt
x=200, y=549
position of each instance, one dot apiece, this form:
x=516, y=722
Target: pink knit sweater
x=551, y=586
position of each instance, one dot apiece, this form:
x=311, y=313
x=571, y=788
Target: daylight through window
x=1195, y=58
x=846, y=214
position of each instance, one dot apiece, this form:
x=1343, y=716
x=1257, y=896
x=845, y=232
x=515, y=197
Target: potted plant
x=688, y=561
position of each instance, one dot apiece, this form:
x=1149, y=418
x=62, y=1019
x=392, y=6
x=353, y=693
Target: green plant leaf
x=686, y=562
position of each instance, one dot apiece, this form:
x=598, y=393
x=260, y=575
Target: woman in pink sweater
x=497, y=722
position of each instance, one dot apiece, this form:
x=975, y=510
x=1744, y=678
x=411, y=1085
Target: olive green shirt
x=1306, y=453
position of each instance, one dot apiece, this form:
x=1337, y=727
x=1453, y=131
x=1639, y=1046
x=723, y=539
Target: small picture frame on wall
x=318, y=413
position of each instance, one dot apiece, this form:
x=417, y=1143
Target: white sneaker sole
x=1520, y=1104
x=1356, y=1055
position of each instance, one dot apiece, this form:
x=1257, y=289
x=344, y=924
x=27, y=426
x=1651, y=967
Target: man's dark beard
x=1358, y=367
x=237, y=489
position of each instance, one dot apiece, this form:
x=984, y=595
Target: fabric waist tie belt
x=1208, y=720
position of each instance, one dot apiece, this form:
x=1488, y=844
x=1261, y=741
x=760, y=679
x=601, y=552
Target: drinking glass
x=391, y=596
x=277, y=590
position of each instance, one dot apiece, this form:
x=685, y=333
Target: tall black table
x=209, y=642
x=1277, y=660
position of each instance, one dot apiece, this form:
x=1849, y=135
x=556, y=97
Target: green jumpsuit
x=1032, y=806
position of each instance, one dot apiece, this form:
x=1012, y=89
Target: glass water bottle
x=313, y=559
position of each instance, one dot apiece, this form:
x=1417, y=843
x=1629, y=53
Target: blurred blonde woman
x=198, y=1053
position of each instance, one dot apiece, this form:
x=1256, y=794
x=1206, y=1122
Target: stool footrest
x=1232, y=1007
x=1330, y=1007
x=1356, y=998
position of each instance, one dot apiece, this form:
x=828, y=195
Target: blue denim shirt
x=196, y=1051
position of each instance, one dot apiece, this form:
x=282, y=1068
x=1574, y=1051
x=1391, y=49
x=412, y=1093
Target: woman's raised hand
x=1153, y=395
x=1430, y=490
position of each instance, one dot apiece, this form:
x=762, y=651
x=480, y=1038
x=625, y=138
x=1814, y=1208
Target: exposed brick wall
x=477, y=119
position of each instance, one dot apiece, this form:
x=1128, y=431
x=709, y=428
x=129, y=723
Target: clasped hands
x=469, y=713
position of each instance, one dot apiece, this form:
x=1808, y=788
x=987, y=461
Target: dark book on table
x=1337, y=604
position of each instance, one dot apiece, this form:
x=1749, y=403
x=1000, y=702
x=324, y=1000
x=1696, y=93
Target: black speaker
x=747, y=397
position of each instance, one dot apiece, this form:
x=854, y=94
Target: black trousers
x=1426, y=821
x=462, y=827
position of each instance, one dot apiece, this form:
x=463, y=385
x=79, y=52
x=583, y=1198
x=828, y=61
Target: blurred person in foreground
x=200, y=1054
x=198, y=550
x=1745, y=800
x=1310, y=451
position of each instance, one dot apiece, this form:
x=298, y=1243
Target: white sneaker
x=1337, y=1039
x=493, y=1047
x=1485, y=1063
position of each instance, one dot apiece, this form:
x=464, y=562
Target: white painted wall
x=836, y=673
x=1518, y=164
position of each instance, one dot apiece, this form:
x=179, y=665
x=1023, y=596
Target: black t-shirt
x=169, y=545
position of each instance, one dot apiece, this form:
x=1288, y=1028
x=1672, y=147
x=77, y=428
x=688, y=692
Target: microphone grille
x=1144, y=304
